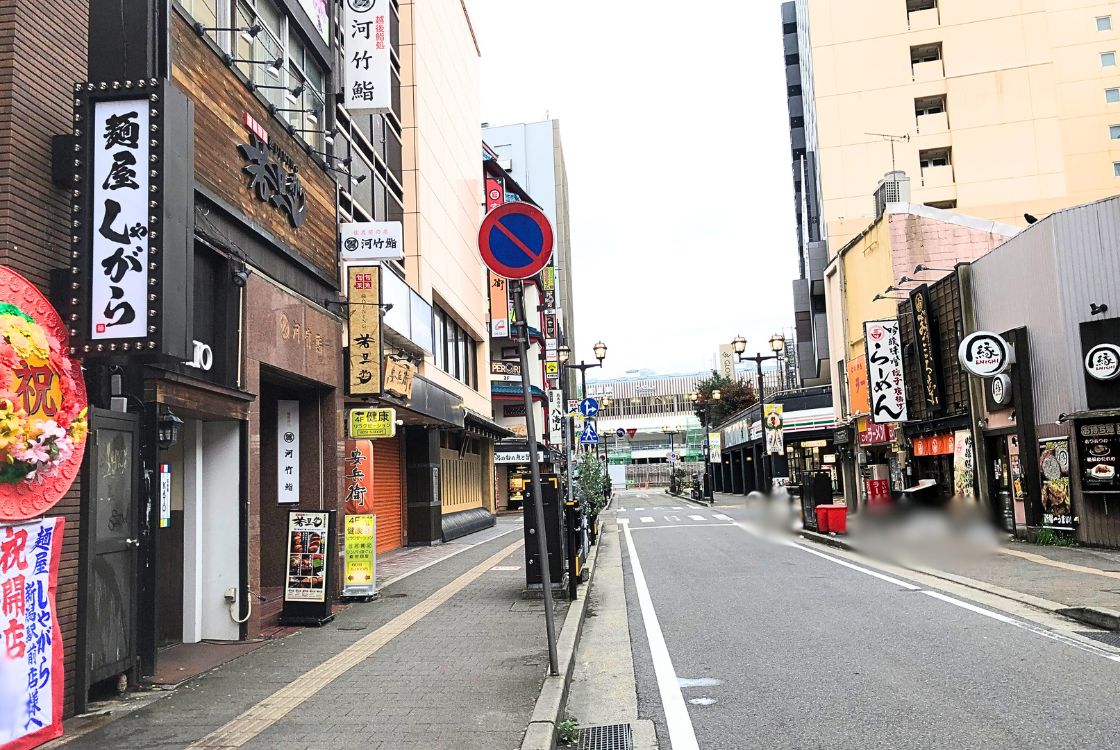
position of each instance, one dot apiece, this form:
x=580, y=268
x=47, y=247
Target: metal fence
x=657, y=475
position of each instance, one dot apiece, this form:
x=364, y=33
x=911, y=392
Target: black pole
x=534, y=465
x=762, y=420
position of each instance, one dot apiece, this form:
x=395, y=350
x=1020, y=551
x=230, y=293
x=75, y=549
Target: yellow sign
x=359, y=563
x=367, y=424
x=551, y=368
x=364, y=325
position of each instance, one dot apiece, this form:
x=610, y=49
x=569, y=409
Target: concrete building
x=997, y=109
x=533, y=155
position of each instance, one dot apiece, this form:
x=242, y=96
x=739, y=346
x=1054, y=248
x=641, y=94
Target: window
x=929, y=105
x=925, y=53
x=1104, y=23
x=912, y=6
x=1108, y=59
x=1112, y=96
x=456, y=353
x=935, y=157
x=1116, y=169
x=1114, y=132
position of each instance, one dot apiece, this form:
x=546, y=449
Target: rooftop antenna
x=905, y=138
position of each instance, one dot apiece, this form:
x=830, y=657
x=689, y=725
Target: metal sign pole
x=518, y=290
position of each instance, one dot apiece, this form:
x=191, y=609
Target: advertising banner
x=287, y=452
x=306, y=579
x=495, y=194
x=364, y=330
x=1053, y=462
x=499, y=307
x=714, y=447
x=368, y=83
x=359, y=577
x=774, y=426
x=858, y=400
x=556, y=417
x=926, y=337
x=31, y=683
x=358, y=477
x=365, y=424
x=727, y=360
x=886, y=384
x=371, y=240
x=964, y=466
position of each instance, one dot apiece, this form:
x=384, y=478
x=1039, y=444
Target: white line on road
x=676, y=507
x=645, y=519
x=681, y=526
x=846, y=564
x=637, y=509
x=681, y=734
x=722, y=517
x=697, y=518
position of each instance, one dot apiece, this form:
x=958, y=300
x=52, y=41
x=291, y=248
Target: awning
x=430, y=405
x=513, y=390
x=475, y=422
x=1089, y=414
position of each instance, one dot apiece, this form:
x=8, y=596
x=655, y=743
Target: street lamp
x=777, y=344
x=705, y=410
x=565, y=353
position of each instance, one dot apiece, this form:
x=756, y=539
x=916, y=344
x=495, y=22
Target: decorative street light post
x=565, y=354
x=777, y=344
x=705, y=410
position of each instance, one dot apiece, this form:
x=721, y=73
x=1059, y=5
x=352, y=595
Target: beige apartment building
x=997, y=108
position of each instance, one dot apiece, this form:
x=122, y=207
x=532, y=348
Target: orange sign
x=499, y=306
x=858, y=399
x=933, y=445
x=359, y=477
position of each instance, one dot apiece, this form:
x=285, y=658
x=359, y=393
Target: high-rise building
x=811, y=342
x=994, y=109
x=532, y=154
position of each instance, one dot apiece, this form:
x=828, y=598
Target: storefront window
x=456, y=352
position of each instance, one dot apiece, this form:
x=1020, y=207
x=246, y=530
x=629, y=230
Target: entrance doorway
x=199, y=540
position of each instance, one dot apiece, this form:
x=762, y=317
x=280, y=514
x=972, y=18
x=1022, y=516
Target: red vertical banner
x=31, y=681
x=359, y=477
x=495, y=194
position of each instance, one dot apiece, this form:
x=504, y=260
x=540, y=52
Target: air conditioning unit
x=506, y=164
x=893, y=188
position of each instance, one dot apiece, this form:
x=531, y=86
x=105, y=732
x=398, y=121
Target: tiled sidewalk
x=453, y=671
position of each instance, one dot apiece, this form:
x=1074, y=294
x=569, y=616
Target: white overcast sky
x=675, y=131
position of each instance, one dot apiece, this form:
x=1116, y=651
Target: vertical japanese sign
x=164, y=495
x=925, y=335
x=964, y=466
x=499, y=306
x=359, y=577
x=359, y=477
x=119, y=282
x=774, y=427
x=31, y=683
x=364, y=329
x=886, y=384
x=306, y=580
x=556, y=416
x=287, y=452
x=495, y=194
x=1053, y=462
x=858, y=400
x=400, y=374
x=368, y=59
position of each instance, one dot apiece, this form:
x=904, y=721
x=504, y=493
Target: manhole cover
x=608, y=737
x=1109, y=637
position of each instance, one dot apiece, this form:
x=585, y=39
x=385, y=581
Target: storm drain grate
x=608, y=737
x=1109, y=637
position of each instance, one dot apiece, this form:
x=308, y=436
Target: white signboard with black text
x=985, y=354
x=368, y=86
x=885, y=382
x=119, y=282
x=555, y=416
x=371, y=240
x=287, y=452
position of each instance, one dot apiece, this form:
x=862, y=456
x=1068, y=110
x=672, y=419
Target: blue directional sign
x=619, y=432
x=589, y=407
x=589, y=436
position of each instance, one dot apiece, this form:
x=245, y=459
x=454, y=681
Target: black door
x=112, y=540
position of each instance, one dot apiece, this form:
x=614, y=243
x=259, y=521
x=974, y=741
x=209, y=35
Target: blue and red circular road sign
x=516, y=240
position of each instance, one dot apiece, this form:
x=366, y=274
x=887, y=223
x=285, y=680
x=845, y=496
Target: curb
x=1106, y=619
x=540, y=734
x=701, y=503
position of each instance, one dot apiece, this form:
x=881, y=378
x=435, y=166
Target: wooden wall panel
x=221, y=100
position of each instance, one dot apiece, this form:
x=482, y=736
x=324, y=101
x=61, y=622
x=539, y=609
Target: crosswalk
x=671, y=516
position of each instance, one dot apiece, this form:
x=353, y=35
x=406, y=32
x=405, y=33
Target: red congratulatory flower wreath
x=43, y=420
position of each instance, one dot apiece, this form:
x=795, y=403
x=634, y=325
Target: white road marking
x=637, y=509
x=681, y=734
x=674, y=519
x=681, y=526
x=698, y=518
x=645, y=519
x=676, y=507
x=722, y=517
x=999, y=617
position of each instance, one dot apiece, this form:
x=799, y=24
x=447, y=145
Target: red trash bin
x=832, y=519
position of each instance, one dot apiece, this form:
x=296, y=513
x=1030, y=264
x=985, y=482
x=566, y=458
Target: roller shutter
x=387, y=492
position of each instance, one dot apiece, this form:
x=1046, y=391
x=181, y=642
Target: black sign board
x=1099, y=394
x=927, y=342
x=843, y=435
x=132, y=220
x=311, y=564
x=1098, y=451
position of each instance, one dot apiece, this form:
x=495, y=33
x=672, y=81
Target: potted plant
x=590, y=482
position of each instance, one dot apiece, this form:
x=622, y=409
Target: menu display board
x=1053, y=463
x=359, y=576
x=1099, y=449
x=306, y=580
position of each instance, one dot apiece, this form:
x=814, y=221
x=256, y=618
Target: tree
x=589, y=482
x=734, y=396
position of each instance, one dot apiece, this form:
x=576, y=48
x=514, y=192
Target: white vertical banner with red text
x=31, y=682
x=885, y=381
x=369, y=80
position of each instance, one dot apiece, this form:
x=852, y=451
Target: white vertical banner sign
x=368, y=57
x=287, y=452
x=555, y=416
x=885, y=381
x=119, y=279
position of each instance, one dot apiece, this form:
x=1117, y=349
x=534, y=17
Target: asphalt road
x=776, y=643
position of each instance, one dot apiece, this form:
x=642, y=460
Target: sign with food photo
x=1057, y=503
x=306, y=579
x=1099, y=455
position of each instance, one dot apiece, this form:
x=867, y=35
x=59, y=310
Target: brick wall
x=42, y=53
